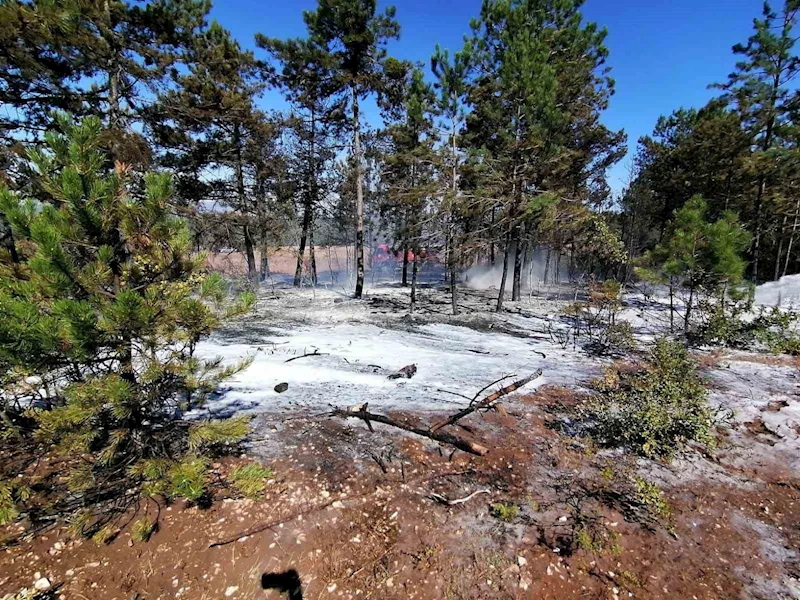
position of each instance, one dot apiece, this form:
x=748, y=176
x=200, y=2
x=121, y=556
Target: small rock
x=42, y=584
x=522, y=561
x=281, y=387
x=231, y=590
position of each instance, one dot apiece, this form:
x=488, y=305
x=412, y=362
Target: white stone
x=42, y=584
x=231, y=590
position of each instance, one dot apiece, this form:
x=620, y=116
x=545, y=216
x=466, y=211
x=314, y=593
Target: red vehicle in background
x=384, y=255
x=385, y=260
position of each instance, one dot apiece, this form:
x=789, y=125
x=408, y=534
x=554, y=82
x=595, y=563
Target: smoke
x=784, y=292
x=484, y=277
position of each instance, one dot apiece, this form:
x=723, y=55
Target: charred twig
x=487, y=402
x=446, y=438
x=314, y=353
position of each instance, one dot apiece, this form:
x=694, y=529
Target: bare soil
x=350, y=514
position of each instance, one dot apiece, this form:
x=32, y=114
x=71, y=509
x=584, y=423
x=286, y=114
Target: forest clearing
x=295, y=307
x=546, y=513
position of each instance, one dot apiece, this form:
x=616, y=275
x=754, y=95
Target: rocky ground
x=352, y=513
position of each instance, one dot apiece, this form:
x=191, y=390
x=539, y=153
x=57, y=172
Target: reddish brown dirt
x=352, y=514
x=284, y=260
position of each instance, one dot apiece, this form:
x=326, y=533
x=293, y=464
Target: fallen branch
x=485, y=403
x=314, y=353
x=446, y=438
x=443, y=500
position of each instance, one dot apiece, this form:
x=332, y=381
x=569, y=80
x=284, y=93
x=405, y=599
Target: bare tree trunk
x=519, y=250
x=791, y=236
x=359, y=198
x=414, y=270
x=491, y=244
x=506, y=262
x=404, y=280
x=453, y=262
x=301, y=250
x=671, y=305
x=312, y=253
x=547, y=265
x=781, y=233
x=249, y=247
x=264, y=256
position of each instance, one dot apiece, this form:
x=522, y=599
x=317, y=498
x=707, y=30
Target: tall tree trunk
x=249, y=247
x=454, y=192
x=404, y=278
x=264, y=258
x=491, y=243
x=791, y=236
x=781, y=234
x=359, y=198
x=671, y=305
x=312, y=253
x=414, y=270
x=506, y=261
x=688, y=316
x=301, y=250
x=519, y=251
x=547, y=265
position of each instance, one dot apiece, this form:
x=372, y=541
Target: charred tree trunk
x=249, y=246
x=506, y=261
x=404, y=280
x=359, y=198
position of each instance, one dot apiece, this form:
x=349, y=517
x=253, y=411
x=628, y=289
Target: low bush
x=654, y=410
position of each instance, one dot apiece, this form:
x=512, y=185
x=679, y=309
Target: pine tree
x=104, y=307
x=305, y=73
x=760, y=90
x=355, y=36
x=409, y=173
x=205, y=121
x=451, y=80
x=541, y=84
x=699, y=254
x=91, y=57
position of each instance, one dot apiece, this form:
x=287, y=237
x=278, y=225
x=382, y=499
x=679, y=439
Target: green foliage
x=104, y=306
x=735, y=325
x=11, y=493
x=250, y=479
x=188, y=478
x=142, y=529
x=654, y=410
x=206, y=435
x=650, y=496
x=504, y=512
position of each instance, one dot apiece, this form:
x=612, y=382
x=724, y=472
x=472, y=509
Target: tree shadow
x=287, y=583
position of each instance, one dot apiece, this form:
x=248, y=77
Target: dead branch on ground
x=487, y=402
x=443, y=500
x=446, y=438
x=314, y=353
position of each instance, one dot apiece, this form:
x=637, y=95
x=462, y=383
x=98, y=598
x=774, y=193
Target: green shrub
x=250, y=479
x=732, y=324
x=654, y=410
x=504, y=512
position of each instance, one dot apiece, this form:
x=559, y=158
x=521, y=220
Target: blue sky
x=664, y=53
